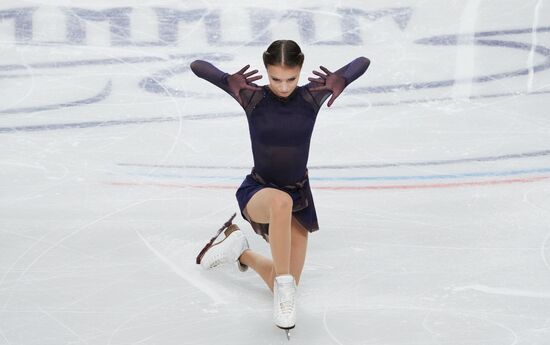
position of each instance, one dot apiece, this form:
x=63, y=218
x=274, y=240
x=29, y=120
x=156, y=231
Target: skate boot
x=228, y=250
x=284, y=302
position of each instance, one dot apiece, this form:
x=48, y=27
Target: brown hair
x=284, y=53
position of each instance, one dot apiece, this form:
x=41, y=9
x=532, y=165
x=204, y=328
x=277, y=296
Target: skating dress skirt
x=303, y=208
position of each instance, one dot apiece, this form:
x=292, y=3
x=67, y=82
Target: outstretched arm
x=336, y=82
x=233, y=84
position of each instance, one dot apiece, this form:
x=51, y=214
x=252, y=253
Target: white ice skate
x=284, y=302
x=228, y=250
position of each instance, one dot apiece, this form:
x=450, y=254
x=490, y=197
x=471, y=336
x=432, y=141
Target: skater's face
x=283, y=79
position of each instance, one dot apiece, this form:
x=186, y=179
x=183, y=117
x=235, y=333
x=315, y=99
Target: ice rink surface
x=431, y=173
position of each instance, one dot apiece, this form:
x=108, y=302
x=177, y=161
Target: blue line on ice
x=362, y=166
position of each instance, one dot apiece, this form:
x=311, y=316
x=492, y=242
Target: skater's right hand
x=241, y=80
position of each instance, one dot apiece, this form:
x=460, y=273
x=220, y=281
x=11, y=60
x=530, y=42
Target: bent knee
x=281, y=202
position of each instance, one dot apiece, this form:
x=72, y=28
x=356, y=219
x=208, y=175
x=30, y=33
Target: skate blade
x=287, y=331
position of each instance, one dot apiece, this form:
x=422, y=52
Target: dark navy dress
x=280, y=133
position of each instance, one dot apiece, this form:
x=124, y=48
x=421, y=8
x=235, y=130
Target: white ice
x=431, y=173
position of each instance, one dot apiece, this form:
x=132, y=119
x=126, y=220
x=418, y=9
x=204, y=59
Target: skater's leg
x=298, y=249
x=262, y=265
x=273, y=206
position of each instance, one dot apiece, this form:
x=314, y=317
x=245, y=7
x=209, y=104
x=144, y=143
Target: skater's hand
x=329, y=81
x=242, y=80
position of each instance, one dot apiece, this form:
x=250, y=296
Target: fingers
x=320, y=81
x=325, y=70
x=320, y=74
x=316, y=80
x=333, y=98
x=248, y=74
x=243, y=69
x=249, y=80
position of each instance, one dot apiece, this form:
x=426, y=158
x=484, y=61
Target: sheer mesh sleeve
x=350, y=72
x=209, y=72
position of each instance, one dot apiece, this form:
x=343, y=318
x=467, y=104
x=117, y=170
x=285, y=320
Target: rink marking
x=99, y=97
x=506, y=173
x=381, y=187
x=123, y=60
x=361, y=166
x=209, y=116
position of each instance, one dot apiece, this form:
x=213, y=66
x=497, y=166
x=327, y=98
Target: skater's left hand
x=329, y=81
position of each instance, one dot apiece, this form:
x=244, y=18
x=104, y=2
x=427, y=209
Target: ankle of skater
x=284, y=276
x=281, y=271
x=245, y=258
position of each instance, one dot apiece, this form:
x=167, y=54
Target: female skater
x=275, y=198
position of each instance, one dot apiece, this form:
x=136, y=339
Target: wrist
x=224, y=78
x=346, y=82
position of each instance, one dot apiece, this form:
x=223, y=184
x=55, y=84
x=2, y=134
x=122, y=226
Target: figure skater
x=275, y=198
